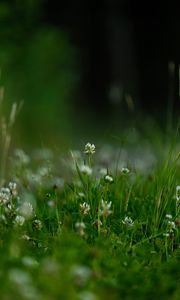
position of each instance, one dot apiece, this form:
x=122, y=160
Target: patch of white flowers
x=8, y=193
x=5, y=195
x=171, y=226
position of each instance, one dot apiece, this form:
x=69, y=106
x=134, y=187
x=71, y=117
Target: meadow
x=99, y=222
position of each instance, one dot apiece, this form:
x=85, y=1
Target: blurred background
x=88, y=69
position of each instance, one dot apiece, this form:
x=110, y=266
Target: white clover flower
x=29, y=262
x=26, y=210
x=23, y=283
x=166, y=234
x=125, y=170
x=19, y=277
x=89, y=148
x=103, y=171
x=19, y=220
x=128, y=221
x=25, y=237
x=13, y=188
x=97, y=223
x=171, y=226
x=87, y=295
x=80, y=274
x=108, y=178
x=43, y=171
x=80, y=226
x=22, y=156
x=51, y=203
x=5, y=195
x=168, y=216
x=37, y=224
x=85, y=169
x=81, y=194
x=84, y=208
x=105, y=208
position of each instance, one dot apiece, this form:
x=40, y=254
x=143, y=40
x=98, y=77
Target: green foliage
x=72, y=228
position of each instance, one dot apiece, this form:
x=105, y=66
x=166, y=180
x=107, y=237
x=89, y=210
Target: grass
x=100, y=223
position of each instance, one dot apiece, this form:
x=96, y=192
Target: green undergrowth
x=93, y=224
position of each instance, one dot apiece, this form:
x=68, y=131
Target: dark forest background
x=89, y=67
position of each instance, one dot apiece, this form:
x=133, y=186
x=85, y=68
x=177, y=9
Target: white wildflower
x=23, y=283
x=19, y=220
x=5, y=195
x=108, y=178
x=80, y=274
x=84, y=208
x=25, y=237
x=87, y=295
x=19, y=277
x=171, y=226
x=80, y=226
x=168, y=216
x=43, y=171
x=29, y=262
x=22, y=156
x=89, y=148
x=166, y=234
x=105, y=208
x=51, y=203
x=81, y=194
x=97, y=223
x=125, y=170
x=103, y=171
x=85, y=169
x=13, y=188
x=128, y=221
x=26, y=210
x=37, y=224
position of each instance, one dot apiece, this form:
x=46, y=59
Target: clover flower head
x=108, y=178
x=37, y=224
x=89, y=148
x=128, y=221
x=19, y=220
x=105, y=208
x=22, y=157
x=85, y=170
x=26, y=210
x=81, y=194
x=5, y=195
x=168, y=216
x=171, y=226
x=125, y=170
x=84, y=208
x=13, y=188
x=80, y=227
